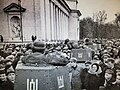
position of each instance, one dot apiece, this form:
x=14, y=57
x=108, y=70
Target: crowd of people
x=102, y=72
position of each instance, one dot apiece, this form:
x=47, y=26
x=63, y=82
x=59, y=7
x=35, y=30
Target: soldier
x=37, y=57
x=57, y=57
x=75, y=73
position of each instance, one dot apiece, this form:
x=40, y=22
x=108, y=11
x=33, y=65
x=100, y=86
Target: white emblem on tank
x=89, y=55
x=60, y=81
x=32, y=84
x=80, y=55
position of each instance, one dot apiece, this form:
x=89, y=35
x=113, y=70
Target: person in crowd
x=37, y=57
x=57, y=57
x=9, y=84
x=84, y=72
x=10, y=57
x=33, y=38
x=2, y=74
x=118, y=51
x=115, y=52
x=1, y=38
x=109, y=50
x=92, y=78
x=87, y=42
x=108, y=64
x=75, y=74
x=68, y=44
x=116, y=84
x=104, y=58
x=35, y=53
x=96, y=57
x=111, y=65
x=66, y=52
x=28, y=48
x=108, y=79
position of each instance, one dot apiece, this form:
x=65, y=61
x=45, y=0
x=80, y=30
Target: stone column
x=47, y=19
x=73, y=24
x=42, y=8
x=52, y=21
x=60, y=24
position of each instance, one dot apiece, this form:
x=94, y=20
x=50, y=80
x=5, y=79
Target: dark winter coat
x=76, y=83
x=109, y=85
x=35, y=58
x=1, y=82
x=83, y=75
x=91, y=82
x=115, y=87
x=7, y=85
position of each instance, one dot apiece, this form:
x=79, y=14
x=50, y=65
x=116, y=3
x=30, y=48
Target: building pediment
x=76, y=11
x=13, y=7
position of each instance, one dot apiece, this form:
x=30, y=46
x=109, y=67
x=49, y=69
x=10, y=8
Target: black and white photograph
x=59, y=44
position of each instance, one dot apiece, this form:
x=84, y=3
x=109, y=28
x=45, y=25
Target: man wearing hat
x=37, y=57
x=75, y=74
x=110, y=64
x=84, y=72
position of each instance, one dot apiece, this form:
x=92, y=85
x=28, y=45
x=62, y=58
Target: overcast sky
x=88, y=7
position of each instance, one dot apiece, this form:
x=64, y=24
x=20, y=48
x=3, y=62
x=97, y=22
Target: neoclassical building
x=49, y=20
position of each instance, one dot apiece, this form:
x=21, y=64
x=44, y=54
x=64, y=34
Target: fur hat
x=110, y=60
x=10, y=70
x=7, y=60
x=38, y=45
x=2, y=69
x=109, y=71
x=73, y=59
x=88, y=62
x=107, y=55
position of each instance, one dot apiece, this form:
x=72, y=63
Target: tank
x=95, y=47
x=82, y=55
x=41, y=78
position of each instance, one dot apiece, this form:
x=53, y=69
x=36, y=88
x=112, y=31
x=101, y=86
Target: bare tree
x=100, y=16
x=117, y=19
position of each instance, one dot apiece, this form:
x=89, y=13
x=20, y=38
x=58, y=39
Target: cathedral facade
x=49, y=20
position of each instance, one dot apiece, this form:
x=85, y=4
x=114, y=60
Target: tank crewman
x=37, y=57
x=57, y=57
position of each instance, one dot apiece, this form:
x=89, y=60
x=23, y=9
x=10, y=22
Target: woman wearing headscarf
x=92, y=78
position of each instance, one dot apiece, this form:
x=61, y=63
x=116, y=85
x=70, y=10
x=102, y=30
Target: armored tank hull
x=42, y=78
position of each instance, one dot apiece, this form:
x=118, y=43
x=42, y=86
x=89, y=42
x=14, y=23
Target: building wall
x=47, y=19
x=4, y=27
x=72, y=4
x=73, y=28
